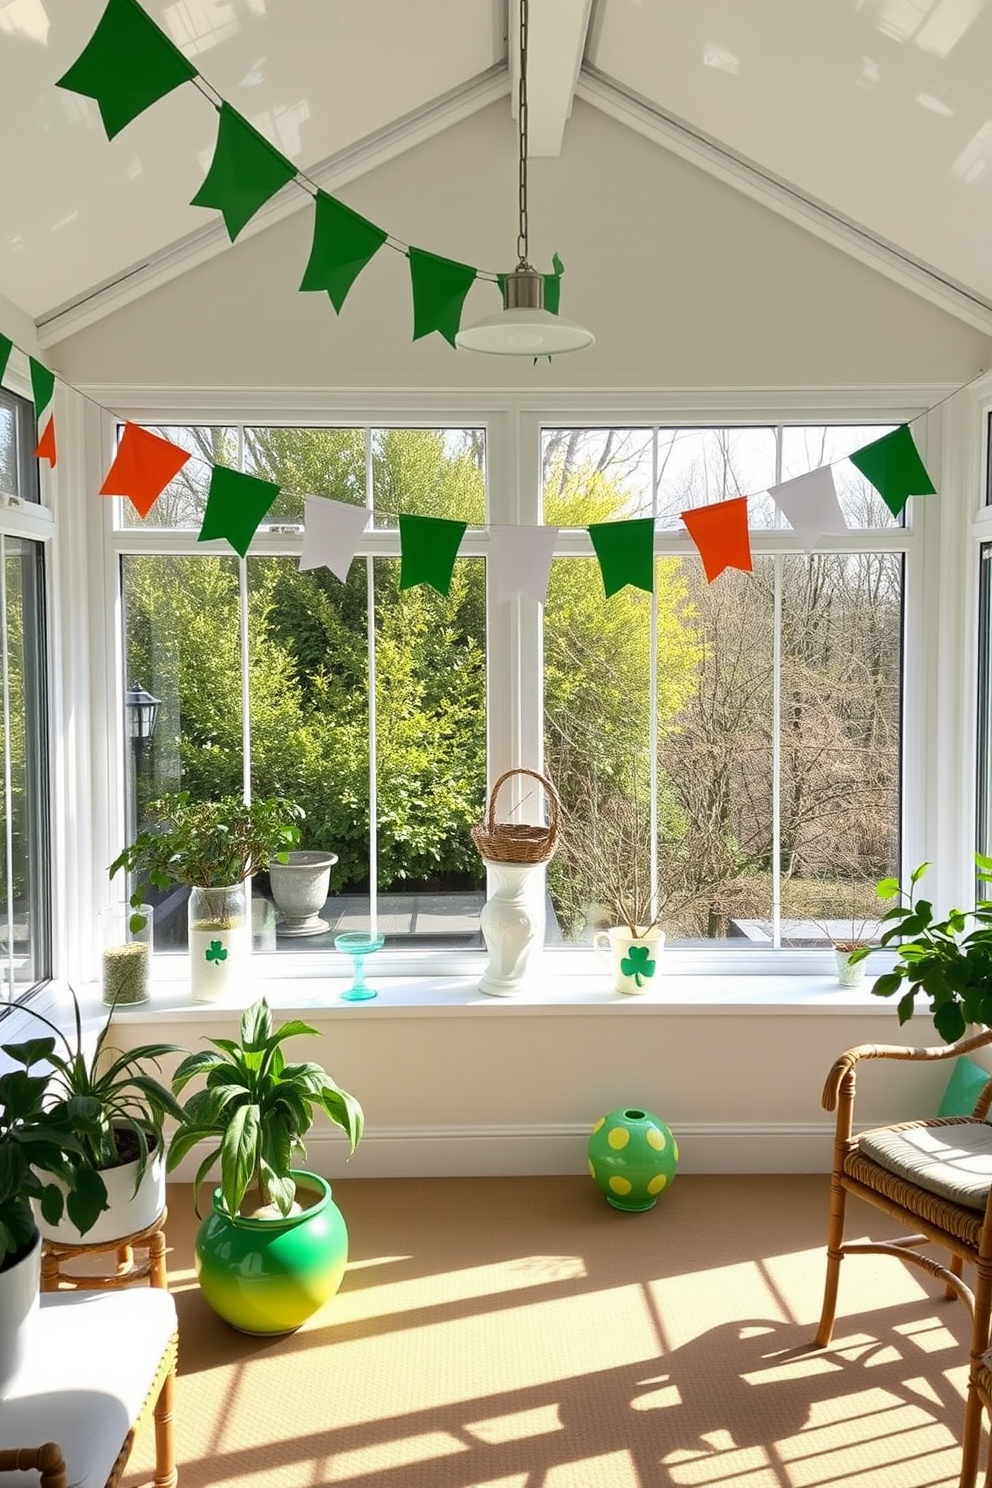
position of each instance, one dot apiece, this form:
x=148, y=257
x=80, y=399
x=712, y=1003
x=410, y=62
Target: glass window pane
x=840, y=740
x=25, y=949
x=985, y=703
x=310, y=727
x=806, y=449
x=429, y=473
x=307, y=462
x=697, y=467
x=593, y=475
x=182, y=644
x=8, y=450
x=184, y=500
x=430, y=755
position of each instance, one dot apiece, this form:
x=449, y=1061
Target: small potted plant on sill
x=213, y=847
x=275, y=1245
x=948, y=959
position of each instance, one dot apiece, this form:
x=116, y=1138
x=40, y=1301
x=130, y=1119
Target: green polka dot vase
x=633, y=1158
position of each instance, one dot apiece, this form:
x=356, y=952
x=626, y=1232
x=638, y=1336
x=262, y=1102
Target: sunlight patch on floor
x=516, y=1426
x=700, y=1301
x=609, y=1470
x=391, y=1298
x=380, y=1457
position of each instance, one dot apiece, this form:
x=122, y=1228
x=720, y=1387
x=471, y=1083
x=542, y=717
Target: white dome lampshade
x=523, y=327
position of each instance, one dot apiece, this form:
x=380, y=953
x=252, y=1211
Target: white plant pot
x=128, y=1212
x=633, y=958
x=300, y=887
x=848, y=975
x=219, y=941
x=20, y=1286
x=513, y=920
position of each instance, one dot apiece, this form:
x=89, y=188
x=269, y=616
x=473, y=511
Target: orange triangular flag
x=46, y=444
x=143, y=467
x=720, y=533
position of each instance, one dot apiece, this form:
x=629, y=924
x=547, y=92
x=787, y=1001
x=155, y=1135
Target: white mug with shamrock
x=633, y=958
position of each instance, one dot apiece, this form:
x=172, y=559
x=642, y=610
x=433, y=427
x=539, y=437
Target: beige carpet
x=519, y=1333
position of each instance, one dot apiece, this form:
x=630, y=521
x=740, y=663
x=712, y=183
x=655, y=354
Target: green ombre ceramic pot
x=269, y=1275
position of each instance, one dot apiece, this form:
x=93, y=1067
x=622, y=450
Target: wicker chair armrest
x=845, y=1064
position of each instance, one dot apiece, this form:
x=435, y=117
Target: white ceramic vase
x=513, y=920
x=219, y=941
x=20, y=1286
x=633, y=958
x=848, y=975
x=299, y=887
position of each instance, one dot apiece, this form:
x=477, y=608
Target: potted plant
x=37, y=1146
x=274, y=1247
x=115, y=1110
x=212, y=847
x=634, y=940
x=856, y=929
x=948, y=959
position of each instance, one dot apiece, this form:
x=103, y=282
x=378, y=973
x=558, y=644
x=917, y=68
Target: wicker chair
x=935, y=1176
x=97, y=1364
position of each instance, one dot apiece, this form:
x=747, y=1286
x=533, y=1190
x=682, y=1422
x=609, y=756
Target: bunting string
x=145, y=463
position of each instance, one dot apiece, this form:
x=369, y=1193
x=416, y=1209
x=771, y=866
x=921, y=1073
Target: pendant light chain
x=522, y=124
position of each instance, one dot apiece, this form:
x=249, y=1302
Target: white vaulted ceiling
x=868, y=121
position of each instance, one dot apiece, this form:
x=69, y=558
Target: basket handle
x=552, y=795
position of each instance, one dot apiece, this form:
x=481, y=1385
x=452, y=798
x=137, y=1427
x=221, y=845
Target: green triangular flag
x=6, y=347
x=894, y=467
x=343, y=243
x=439, y=289
x=127, y=65
x=428, y=549
x=236, y=503
x=42, y=386
x=552, y=286
x=245, y=171
x=626, y=553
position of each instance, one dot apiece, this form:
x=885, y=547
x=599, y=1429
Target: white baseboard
x=508, y=1151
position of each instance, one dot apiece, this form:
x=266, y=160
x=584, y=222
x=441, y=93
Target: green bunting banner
x=128, y=65
x=428, y=549
x=343, y=243
x=42, y=386
x=626, y=553
x=245, y=171
x=6, y=347
x=439, y=289
x=236, y=503
x=894, y=467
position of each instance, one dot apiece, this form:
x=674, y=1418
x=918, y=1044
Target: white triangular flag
x=520, y=559
x=331, y=534
x=810, y=506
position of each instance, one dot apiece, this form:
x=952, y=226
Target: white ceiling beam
x=556, y=42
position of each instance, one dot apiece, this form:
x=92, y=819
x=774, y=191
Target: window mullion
x=373, y=735
x=777, y=727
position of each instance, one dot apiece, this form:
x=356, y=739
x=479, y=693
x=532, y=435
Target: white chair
x=96, y=1365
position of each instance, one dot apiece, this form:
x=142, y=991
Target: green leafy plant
x=209, y=844
x=256, y=1109
x=79, y=1116
x=949, y=959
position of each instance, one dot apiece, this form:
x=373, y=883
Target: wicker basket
x=505, y=842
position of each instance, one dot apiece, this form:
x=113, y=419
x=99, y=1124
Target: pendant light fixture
x=523, y=327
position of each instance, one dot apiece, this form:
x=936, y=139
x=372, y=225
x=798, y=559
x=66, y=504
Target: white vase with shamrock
x=634, y=956
x=219, y=941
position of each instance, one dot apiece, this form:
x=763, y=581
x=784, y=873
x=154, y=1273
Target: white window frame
x=938, y=641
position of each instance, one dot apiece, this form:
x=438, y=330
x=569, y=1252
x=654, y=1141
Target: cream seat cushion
x=953, y=1160
x=90, y=1361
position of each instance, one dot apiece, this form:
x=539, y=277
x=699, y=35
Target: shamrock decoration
x=217, y=951
x=637, y=964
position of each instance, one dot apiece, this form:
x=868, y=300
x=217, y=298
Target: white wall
x=19, y=327
x=685, y=282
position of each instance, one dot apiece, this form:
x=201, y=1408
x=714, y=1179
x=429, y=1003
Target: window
x=25, y=868
x=362, y=702
x=728, y=754
x=984, y=823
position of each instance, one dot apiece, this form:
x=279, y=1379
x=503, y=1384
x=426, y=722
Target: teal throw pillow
x=963, y=1088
